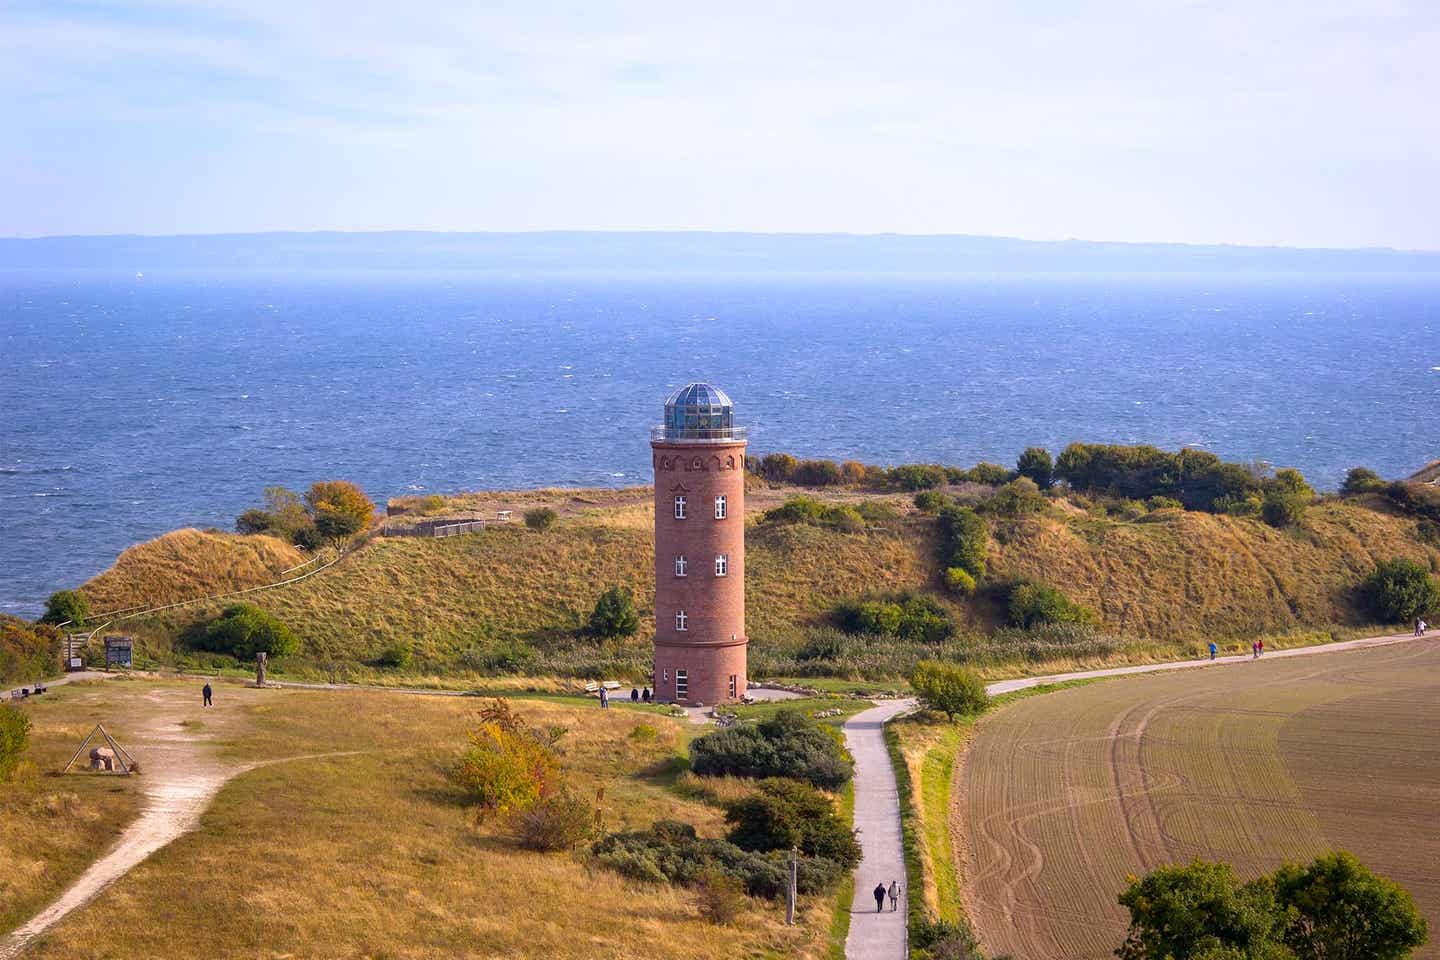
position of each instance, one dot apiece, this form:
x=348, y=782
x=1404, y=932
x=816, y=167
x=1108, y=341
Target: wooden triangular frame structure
x=122, y=756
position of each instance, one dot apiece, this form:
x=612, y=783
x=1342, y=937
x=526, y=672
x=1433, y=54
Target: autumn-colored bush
x=339, y=508
x=509, y=767
x=28, y=651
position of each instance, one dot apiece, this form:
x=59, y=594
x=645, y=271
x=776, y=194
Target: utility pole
x=790, y=888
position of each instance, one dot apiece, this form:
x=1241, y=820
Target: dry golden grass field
x=363, y=852
x=1061, y=796
x=1168, y=581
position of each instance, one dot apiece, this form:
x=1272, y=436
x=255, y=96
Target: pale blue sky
x=1300, y=123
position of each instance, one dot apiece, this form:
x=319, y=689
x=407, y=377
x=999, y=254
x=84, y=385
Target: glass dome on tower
x=699, y=412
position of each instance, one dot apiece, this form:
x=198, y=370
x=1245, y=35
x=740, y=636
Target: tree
x=778, y=467
x=339, y=508
x=14, y=738
x=1400, y=590
x=242, y=631
x=1361, y=480
x=66, y=605
x=1183, y=913
x=949, y=688
x=540, y=518
x=614, y=614
x=1340, y=910
x=1036, y=464
x=788, y=813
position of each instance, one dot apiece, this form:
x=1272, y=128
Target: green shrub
x=1281, y=509
x=959, y=581
x=989, y=474
x=787, y=744
x=1033, y=604
x=809, y=510
x=614, y=614
x=559, y=822
x=242, y=630
x=1164, y=503
x=1036, y=464
x=540, y=518
x=949, y=688
x=14, y=738
x=1017, y=498
x=916, y=476
x=788, y=813
x=283, y=516
x=434, y=503
x=930, y=501
x=66, y=605
x=964, y=540
x=909, y=616
x=1362, y=480
x=505, y=655
x=395, y=655
x=1400, y=590
x=1197, y=478
x=643, y=733
x=671, y=851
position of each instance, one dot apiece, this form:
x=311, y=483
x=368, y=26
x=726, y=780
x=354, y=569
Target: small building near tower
x=699, y=460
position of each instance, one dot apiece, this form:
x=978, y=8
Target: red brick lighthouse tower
x=699, y=457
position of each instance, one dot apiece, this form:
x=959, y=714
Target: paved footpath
x=877, y=817
x=882, y=936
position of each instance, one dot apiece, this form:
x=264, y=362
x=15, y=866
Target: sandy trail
x=180, y=774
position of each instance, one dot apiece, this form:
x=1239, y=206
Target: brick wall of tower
x=713, y=647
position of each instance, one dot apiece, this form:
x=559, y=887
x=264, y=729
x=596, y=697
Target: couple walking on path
x=881, y=893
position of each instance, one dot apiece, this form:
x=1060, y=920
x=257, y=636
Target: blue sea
x=132, y=405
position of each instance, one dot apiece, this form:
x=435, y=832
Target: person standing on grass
x=604, y=698
x=206, y=692
x=894, y=895
x=879, y=897
x=1213, y=649
x=634, y=695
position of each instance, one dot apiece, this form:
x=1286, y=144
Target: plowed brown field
x=1064, y=795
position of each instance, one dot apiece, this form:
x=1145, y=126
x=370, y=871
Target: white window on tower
x=680, y=566
x=732, y=686
x=720, y=507
x=682, y=684
x=681, y=621
x=722, y=564
x=679, y=508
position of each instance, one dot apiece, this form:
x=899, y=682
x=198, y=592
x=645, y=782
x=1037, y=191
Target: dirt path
x=180, y=773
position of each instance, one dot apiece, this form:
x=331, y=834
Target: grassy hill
x=513, y=599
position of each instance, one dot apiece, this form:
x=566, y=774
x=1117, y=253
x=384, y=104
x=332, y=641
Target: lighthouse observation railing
x=668, y=434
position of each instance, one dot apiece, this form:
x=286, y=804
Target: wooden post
x=260, y=669
x=791, y=887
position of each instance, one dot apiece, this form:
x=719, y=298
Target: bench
x=503, y=516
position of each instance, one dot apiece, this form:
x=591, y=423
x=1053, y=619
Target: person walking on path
x=894, y=895
x=1213, y=649
x=634, y=695
x=604, y=698
x=879, y=897
x=1255, y=649
x=1259, y=647
x=206, y=693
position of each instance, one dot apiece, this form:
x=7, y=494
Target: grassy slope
x=368, y=855
x=51, y=827
x=189, y=563
x=1184, y=577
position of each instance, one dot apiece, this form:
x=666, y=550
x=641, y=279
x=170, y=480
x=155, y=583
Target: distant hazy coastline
x=689, y=252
